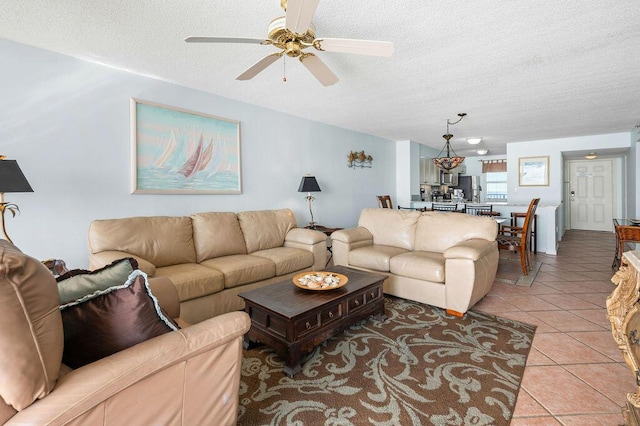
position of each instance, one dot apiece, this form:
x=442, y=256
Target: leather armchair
x=189, y=376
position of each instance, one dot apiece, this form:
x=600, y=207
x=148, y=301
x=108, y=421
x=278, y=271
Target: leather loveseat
x=189, y=376
x=448, y=260
x=211, y=257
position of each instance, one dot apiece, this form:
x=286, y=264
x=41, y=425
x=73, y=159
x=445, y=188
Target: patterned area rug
x=510, y=272
x=418, y=367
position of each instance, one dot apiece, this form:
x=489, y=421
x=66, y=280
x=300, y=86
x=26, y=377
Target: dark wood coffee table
x=294, y=321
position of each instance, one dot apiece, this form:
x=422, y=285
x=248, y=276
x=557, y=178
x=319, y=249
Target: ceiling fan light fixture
x=449, y=162
x=591, y=156
x=482, y=151
x=474, y=141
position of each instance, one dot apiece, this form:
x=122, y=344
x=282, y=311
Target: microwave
x=448, y=178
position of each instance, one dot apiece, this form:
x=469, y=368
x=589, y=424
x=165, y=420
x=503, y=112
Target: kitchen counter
x=547, y=236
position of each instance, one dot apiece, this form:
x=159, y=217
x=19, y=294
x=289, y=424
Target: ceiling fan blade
x=299, y=14
x=360, y=47
x=318, y=69
x=227, y=40
x=259, y=66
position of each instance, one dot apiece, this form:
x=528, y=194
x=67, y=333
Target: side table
x=327, y=232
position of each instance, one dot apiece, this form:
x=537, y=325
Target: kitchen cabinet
x=429, y=172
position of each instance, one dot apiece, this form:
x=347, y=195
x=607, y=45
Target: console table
x=623, y=310
x=626, y=232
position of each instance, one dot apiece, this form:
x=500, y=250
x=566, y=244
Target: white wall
x=633, y=177
x=553, y=148
x=66, y=122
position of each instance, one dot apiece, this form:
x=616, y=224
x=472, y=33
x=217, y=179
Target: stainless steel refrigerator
x=471, y=188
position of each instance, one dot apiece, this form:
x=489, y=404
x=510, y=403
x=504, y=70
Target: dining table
x=627, y=231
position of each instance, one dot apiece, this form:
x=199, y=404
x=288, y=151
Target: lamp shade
x=309, y=184
x=11, y=177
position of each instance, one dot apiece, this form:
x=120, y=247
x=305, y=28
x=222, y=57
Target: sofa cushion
x=395, y=228
x=374, y=257
x=217, y=234
x=77, y=283
x=192, y=280
x=265, y=229
x=287, y=259
x=108, y=321
x=31, y=339
x=162, y=240
x=421, y=265
x=241, y=269
x=437, y=231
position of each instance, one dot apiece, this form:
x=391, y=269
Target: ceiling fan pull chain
x=284, y=69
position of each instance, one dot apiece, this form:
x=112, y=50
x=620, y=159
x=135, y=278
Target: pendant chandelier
x=449, y=162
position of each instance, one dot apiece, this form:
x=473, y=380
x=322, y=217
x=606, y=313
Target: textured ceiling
x=520, y=70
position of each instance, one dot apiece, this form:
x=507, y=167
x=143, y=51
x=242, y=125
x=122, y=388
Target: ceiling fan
x=292, y=34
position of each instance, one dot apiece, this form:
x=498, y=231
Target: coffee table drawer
x=331, y=314
x=306, y=324
x=360, y=300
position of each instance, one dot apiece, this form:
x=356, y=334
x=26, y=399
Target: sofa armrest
x=189, y=376
x=352, y=235
x=304, y=236
x=311, y=240
x=103, y=258
x=167, y=294
x=472, y=249
x=345, y=240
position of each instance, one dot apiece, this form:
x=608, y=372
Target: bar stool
x=514, y=222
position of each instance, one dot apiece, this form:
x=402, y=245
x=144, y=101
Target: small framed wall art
x=533, y=171
x=177, y=151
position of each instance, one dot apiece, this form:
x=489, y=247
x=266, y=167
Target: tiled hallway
x=575, y=373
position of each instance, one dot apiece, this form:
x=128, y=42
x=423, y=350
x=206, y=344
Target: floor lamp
x=309, y=184
x=11, y=180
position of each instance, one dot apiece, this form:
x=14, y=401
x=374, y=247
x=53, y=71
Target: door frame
x=619, y=199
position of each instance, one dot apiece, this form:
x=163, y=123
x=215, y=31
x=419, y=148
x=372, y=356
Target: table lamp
x=11, y=180
x=309, y=184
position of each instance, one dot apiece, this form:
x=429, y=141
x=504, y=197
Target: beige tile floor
x=575, y=373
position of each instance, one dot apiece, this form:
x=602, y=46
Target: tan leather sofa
x=211, y=257
x=190, y=376
x=447, y=260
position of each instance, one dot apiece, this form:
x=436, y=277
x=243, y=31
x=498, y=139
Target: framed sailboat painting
x=177, y=151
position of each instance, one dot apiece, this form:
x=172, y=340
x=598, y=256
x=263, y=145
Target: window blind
x=494, y=166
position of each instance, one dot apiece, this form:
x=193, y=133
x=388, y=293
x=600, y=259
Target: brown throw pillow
x=108, y=321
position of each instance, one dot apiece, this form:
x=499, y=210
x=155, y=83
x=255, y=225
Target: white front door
x=591, y=195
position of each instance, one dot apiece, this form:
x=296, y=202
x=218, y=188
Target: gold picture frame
x=533, y=171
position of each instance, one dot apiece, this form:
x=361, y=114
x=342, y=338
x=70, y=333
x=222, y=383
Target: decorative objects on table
x=359, y=160
x=622, y=311
x=449, y=162
x=309, y=184
x=11, y=180
x=533, y=171
x=177, y=151
x=320, y=280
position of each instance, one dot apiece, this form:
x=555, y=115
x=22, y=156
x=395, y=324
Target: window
x=496, y=186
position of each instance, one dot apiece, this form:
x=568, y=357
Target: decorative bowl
x=319, y=280
x=635, y=221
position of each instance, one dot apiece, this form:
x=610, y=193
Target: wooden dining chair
x=517, y=238
x=384, y=201
x=420, y=209
x=479, y=210
x=444, y=207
